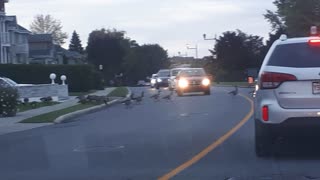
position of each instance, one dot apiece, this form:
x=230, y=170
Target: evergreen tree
x=75, y=44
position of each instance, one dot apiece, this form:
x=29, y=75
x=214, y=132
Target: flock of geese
x=157, y=97
x=138, y=99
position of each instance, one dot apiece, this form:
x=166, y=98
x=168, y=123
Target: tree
x=108, y=48
x=75, y=44
x=236, y=51
x=295, y=16
x=46, y=24
x=142, y=61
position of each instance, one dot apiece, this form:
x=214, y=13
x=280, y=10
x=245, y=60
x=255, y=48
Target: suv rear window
x=299, y=55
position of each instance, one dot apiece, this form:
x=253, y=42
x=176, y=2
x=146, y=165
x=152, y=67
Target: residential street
x=148, y=141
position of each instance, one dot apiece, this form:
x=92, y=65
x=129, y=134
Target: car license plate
x=316, y=88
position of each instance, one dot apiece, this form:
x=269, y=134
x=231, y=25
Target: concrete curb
x=67, y=117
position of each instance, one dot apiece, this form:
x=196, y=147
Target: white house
x=14, y=48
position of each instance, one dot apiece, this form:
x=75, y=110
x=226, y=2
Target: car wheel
x=263, y=139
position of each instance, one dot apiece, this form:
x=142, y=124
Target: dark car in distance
x=163, y=77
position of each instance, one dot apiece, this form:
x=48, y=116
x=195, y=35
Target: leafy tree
x=235, y=51
x=46, y=24
x=141, y=61
x=75, y=44
x=108, y=48
x=273, y=37
x=296, y=16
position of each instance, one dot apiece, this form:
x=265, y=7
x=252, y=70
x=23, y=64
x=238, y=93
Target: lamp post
x=194, y=48
x=53, y=76
x=63, y=79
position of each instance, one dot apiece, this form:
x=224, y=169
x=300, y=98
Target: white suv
x=288, y=92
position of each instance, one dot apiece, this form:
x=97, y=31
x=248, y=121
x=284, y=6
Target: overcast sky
x=171, y=23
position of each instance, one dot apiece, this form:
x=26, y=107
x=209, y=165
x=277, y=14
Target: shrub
x=8, y=101
x=80, y=78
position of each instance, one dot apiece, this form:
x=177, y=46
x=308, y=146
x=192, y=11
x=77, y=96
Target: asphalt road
x=192, y=137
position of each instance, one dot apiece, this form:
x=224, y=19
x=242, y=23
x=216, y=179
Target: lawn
x=30, y=106
x=50, y=117
x=119, y=92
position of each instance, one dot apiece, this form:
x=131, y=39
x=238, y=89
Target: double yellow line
x=210, y=148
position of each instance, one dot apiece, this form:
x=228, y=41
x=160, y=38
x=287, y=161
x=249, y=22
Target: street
x=191, y=137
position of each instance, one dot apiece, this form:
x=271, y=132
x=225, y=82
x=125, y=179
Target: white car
x=173, y=74
x=287, y=97
x=153, y=80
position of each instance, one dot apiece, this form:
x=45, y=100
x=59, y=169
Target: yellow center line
x=210, y=148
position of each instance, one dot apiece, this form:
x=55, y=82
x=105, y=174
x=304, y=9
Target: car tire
x=263, y=139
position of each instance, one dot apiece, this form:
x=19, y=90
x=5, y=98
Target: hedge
x=80, y=78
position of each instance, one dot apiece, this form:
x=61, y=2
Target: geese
x=139, y=98
x=156, y=96
x=127, y=103
x=234, y=92
x=168, y=97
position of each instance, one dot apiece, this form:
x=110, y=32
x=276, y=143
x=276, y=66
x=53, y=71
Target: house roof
x=20, y=28
x=36, y=38
x=67, y=53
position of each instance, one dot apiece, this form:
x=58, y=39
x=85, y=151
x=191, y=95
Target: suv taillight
x=272, y=80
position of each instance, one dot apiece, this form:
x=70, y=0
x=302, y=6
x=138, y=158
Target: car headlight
x=153, y=81
x=159, y=80
x=183, y=83
x=206, y=82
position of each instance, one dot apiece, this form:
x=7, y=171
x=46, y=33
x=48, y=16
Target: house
x=14, y=47
x=42, y=49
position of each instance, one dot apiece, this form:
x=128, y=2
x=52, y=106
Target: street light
x=209, y=39
x=193, y=48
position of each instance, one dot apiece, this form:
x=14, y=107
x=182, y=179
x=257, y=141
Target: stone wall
x=44, y=90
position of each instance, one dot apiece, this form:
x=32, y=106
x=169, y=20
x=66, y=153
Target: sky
x=170, y=23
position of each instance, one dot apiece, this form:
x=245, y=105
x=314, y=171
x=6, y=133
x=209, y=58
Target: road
x=192, y=137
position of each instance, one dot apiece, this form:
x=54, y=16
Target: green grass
x=119, y=92
x=82, y=93
x=50, y=117
x=28, y=106
x=232, y=84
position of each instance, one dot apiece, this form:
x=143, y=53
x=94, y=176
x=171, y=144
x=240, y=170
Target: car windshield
x=192, y=72
x=163, y=73
x=175, y=72
x=299, y=55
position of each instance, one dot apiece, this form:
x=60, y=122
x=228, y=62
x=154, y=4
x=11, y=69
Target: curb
x=67, y=117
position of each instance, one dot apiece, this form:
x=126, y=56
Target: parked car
x=288, y=92
x=173, y=74
x=193, y=80
x=163, y=77
x=6, y=82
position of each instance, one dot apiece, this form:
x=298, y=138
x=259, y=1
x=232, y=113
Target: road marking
x=210, y=148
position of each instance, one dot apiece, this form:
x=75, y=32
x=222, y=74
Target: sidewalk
x=11, y=124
